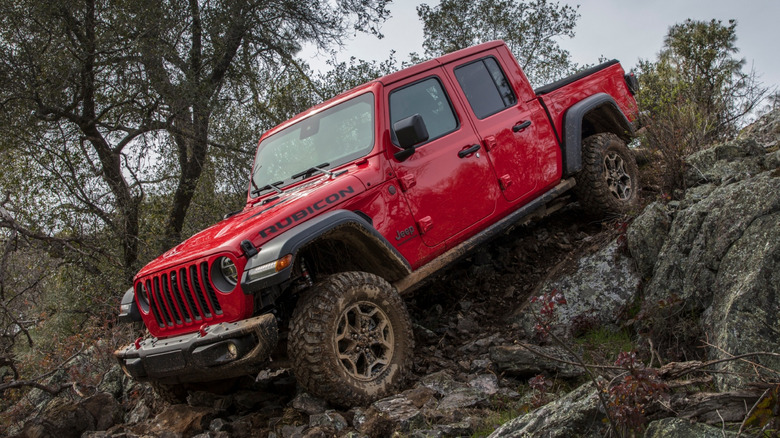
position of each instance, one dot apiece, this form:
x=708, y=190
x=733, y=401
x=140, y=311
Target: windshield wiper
x=320, y=168
x=273, y=185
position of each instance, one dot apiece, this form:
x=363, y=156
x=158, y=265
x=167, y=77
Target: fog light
x=233, y=350
x=268, y=269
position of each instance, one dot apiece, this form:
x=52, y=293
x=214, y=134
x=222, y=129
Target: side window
x=428, y=99
x=485, y=87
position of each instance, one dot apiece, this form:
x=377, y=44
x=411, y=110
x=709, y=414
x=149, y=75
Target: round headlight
x=229, y=270
x=143, y=297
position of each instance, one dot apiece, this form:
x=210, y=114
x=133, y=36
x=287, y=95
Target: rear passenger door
x=447, y=182
x=509, y=130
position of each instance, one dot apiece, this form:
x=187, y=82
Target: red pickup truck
x=357, y=200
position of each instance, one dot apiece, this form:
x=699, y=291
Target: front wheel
x=608, y=183
x=351, y=339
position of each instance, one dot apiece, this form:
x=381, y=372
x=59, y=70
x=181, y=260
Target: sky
x=626, y=30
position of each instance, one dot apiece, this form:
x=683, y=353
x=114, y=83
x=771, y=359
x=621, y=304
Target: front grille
x=180, y=296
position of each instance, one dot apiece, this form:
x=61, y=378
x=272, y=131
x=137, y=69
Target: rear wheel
x=608, y=183
x=351, y=339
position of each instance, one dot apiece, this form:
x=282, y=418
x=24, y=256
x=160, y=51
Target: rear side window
x=485, y=86
x=428, y=99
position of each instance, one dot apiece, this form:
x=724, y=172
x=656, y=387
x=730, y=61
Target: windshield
x=334, y=136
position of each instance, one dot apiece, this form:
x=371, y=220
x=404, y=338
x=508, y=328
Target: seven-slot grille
x=179, y=296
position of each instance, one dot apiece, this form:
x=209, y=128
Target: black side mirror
x=409, y=132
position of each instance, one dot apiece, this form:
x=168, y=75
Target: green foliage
x=346, y=75
x=126, y=126
x=695, y=94
x=531, y=29
x=765, y=415
x=601, y=344
x=501, y=411
x=634, y=393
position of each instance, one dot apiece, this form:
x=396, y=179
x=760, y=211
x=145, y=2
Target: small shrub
x=630, y=398
x=546, y=316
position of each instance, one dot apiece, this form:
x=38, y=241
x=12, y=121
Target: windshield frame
x=305, y=123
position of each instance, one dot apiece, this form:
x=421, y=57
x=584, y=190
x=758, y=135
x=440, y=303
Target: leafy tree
x=531, y=29
x=697, y=65
x=195, y=53
x=123, y=121
x=94, y=91
x=696, y=93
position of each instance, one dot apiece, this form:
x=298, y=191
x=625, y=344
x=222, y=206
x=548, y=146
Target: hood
x=261, y=221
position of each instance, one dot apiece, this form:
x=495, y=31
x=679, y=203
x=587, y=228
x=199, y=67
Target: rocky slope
x=704, y=268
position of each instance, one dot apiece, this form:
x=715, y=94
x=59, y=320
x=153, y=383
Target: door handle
x=520, y=126
x=468, y=151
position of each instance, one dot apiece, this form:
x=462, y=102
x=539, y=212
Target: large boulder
x=646, y=236
x=597, y=293
x=65, y=418
x=579, y=413
x=682, y=428
x=728, y=162
x=765, y=131
x=719, y=267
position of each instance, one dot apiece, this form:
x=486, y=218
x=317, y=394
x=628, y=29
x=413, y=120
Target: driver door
x=447, y=182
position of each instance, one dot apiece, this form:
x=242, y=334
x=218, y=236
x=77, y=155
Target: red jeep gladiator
x=357, y=200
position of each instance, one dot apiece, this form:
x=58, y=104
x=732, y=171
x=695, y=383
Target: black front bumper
x=225, y=350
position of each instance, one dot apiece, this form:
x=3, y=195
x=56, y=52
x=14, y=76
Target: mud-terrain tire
x=608, y=183
x=351, y=339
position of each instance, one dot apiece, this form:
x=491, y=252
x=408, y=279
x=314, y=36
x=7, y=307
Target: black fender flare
x=291, y=241
x=614, y=121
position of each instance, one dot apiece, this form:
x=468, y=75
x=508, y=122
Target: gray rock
x=308, y=404
x=603, y=284
x=329, y=419
x=371, y=422
x=702, y=234
x=139, y=413
x=290, y=431
x=576, y=414
x=646, y=236
x=112, y=382
x=479, y=364
x=765, y=131
x=720, y=262
x=682, y=428
x=62, y=418
x=461, y=398
x=427, y=433
x=725, y=163
x=696, y=194
x=461, y=428
x=743, y=317
x=211, y=434
x=424, y=335
x=104, y=409
x=441, y=382
x=181, y=420
x=401, y=411
x=209, y=400
x=486, y=384
x=519, y=360
x=218, y=425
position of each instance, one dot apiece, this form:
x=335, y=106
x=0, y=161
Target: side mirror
x=409, y=132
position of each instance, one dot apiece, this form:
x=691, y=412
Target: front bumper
x=224, y=350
